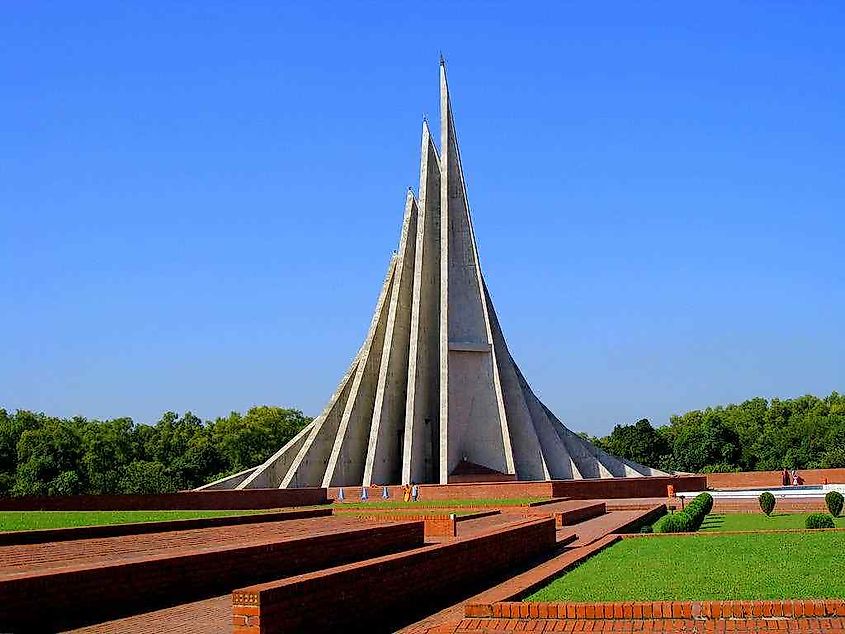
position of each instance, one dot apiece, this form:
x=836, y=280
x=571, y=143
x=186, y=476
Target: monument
x=433, y=395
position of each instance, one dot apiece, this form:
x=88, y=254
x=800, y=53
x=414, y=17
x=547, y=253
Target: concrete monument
x=433, y=392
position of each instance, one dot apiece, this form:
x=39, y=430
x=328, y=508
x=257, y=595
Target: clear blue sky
x=198, y=200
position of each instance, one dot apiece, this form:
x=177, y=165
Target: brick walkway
x=21, y=559
x=482, y=524
x=598, y=527
x=211, y=616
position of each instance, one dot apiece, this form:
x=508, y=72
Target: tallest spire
x=433, y=393
x=471, y=402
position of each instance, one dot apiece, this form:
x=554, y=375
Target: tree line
x=47, y=455
x=807, y=432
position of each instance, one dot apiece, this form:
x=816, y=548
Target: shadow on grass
x=712, y=522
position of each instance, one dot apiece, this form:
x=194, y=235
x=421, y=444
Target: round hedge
x=819, y=520
x=767, y=502
x=834, y=501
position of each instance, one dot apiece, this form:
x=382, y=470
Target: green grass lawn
x=726, y=567
x=378, y=503
x=28, y=520
x=757, y=522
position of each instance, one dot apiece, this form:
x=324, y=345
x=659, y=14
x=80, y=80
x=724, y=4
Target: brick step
x=103, y=585
x=370, y=595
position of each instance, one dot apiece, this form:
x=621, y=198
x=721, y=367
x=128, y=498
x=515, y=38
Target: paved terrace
x=15, y=561
x=213, y=613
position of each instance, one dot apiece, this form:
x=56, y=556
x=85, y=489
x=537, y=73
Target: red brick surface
x=757, y=479
x=211, y=500
x=612, y=488
x=208, y=616
x=367, y=594
x=435, y=525
x=44, y=586
x=576, y=489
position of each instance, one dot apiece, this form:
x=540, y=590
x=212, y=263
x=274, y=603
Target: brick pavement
x=17, y=560
x=209, y=616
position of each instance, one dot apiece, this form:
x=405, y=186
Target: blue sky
x=198, y=200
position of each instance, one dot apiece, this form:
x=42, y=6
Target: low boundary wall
x=185, y=500
x=592, y=489
x=369, y=594
x=763, y=479
x=651, y=487
x=635, y=610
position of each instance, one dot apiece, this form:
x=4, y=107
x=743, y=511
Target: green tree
x=639, y=442
x=47, y=452
x=143, y=476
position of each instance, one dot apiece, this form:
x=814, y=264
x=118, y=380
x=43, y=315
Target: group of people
x=791, y=478
x=410, y=492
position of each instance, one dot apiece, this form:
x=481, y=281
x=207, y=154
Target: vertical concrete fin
x=227, y=482
x=386, y=441
x=270, y=473
x=472, y=413
x=529, y=462
x=422, y=406
x=309, y=463
x=556, y=455
x=345, y=466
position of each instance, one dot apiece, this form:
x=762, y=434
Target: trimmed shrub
x=819, y=520
x=767, y=502
x=834, y=501
x=678, y=522
x=698, y=509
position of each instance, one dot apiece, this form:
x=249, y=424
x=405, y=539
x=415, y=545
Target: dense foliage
x=767, y=502
x=758, y=435
x=819, y=520
x=44, y=455
x=678, y=522
x=834, y=501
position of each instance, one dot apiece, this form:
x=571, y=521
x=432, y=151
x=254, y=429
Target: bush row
x=686, y=521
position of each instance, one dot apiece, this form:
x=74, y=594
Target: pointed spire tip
x=442, y=59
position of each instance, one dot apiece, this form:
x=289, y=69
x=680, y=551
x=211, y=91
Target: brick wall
x=652, y=487
x=66, y=597
x=196, y=500
x=372, y=594
x=756, y=479
x=473, y=491
x=577, y=489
